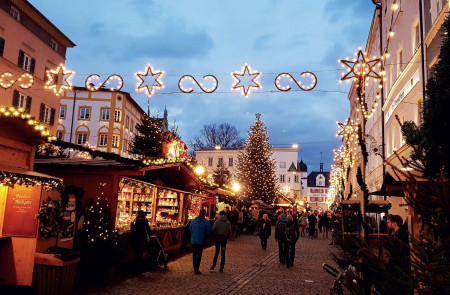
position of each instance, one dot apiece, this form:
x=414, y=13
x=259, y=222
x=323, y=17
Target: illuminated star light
x=246, y=72
x=58, y=86
x=361, y=67
x=149, y=72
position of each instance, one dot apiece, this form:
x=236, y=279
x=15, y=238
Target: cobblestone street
x=248, y=270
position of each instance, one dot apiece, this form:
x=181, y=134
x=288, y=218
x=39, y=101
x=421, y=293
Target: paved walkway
x=248, y=270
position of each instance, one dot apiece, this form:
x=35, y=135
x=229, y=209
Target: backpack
x=289, y=233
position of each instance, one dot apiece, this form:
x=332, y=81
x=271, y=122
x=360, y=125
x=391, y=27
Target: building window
x=103, y=140
x=105, y=114
x=132, y=126
x=22, y=102
x=62, y=112
x=282, y=164
x=289, y=179
x=230, y=162
x=82, y=138
x=15, y=13
x=296, y=178
x=60, y=135
x=85, y=113
x=127, y=121
x=54, y=45
x=26, y=62
x=47, y=114
x=2, y=46
x=117, y=115
x=416, y=37
x=320, y=182
x=115, y=141
x=210, y=162
x=220, y=161
x=282, y=178
x=125, y=145
x=399, y=61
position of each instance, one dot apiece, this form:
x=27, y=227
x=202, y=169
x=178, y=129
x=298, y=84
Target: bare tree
x=224, y=135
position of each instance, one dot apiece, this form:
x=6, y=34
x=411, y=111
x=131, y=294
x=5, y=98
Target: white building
x=318, y=185
x=291, y=175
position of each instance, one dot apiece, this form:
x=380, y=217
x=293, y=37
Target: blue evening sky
x=218, y=37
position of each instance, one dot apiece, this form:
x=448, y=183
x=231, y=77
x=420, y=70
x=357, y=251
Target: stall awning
x=390, y=187
x=18, y=175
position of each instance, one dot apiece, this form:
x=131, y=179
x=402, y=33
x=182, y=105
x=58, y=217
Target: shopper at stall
x=200, y=228
x=140, y=237
x=265, y=230
x=222, y=232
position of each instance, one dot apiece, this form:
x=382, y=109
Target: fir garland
x=51, y=218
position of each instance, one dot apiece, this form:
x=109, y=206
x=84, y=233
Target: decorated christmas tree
x=221, y=175
x=149, y=138
x=256, y=168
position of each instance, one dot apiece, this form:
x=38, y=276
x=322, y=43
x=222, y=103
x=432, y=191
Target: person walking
x=240, y=222
x=234, y=216
x=255, y=218
x=312, y=221
x=265, y=230
x=200, y=228
x=303, y=223
x=325, y=225
x=222, y=231
x=292, y=234
x=140, y=238
x=280, y=237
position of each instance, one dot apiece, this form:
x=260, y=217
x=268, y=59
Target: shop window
x=105, y=114
x=82, y=138
x=103, y=140
x=84, y=113
x=62, y=112
x=115, y=141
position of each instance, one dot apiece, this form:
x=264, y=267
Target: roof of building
x=292, y=168
x=39, y=18
x=312, y=177
x=302, y=167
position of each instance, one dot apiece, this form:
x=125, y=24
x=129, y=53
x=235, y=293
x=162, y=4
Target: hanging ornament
x=299, y=83
x=153, y=76
x=192, y=79
x=91, y=87
x=7, y=83
x=56, y=84
x=246, y=73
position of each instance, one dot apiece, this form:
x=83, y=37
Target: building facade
x=102, y=119
x=317, y=189
x=291, y=174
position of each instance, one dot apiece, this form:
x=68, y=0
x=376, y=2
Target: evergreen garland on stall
x=256, y=168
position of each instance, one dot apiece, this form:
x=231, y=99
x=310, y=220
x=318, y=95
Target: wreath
x=51, y=218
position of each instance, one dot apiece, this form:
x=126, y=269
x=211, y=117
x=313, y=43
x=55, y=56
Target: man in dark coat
x=139, y=238
x=280, y=229
x=222, y=232
x=265, y=230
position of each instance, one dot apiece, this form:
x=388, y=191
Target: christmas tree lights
x=256, y=168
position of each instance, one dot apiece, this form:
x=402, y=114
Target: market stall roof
x=23, y=171
x=78, y=162
x=390, y=187
x=167, y=173
x=261, y=204
x=378, y=206
x=282, y=200
x=350, y=205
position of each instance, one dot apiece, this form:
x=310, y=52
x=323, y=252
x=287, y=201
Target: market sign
x=22, y=205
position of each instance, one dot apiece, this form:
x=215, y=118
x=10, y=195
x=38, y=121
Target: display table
x=171, y=237
x=53, y=275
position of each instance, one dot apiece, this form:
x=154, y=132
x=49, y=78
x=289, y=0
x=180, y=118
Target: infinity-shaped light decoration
x=192, y=79
x=58, y=86
x=299, y=83
x=6, y=81
x=91, y=86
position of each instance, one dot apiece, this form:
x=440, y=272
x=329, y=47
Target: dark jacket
x=296, y=230
x=278, y=232
x=221, y=229
x=265, y=228
x=200, y=228
x=139, y=231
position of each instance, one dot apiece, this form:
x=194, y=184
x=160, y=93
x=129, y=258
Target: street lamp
x=236, y=187
x=199, y=169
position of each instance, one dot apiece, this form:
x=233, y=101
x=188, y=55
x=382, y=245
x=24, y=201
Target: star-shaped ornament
x=56, y=84
x=152, y=76
x=249, y=75
x=361, y=67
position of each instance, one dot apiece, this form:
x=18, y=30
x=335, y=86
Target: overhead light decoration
x=395, y=5
x=36, y=125
x=6, y=81
x=202, y=87
x=91, y=86
x=56, y=84
x=360, y=70
x=308, y=87
x=391, y=33
x=246, y=72
x=151, y=74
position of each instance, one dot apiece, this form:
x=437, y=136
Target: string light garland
x=20, y=113
x=246, y=72
x=360, y=70
x=298, y=83
x=192, y=79
x=56, y=84
x=149, y=72
x=91, y=87
x=6, y=81
x=11, y=179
